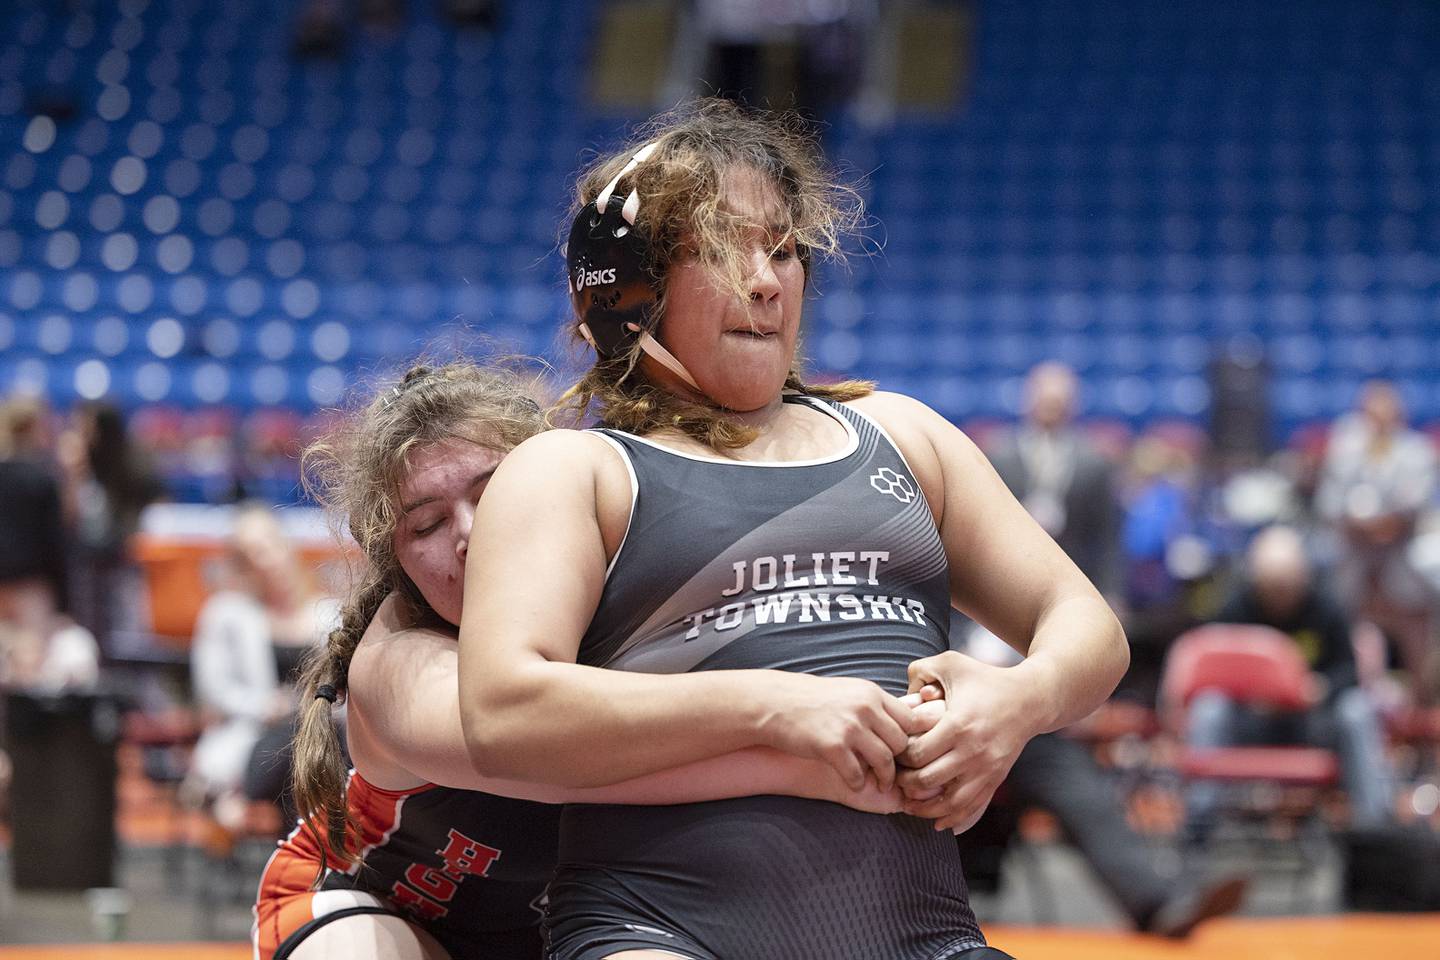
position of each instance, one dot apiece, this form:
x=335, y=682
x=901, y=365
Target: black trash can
x=62, y=793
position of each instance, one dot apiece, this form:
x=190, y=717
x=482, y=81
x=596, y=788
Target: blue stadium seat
x=220, y=223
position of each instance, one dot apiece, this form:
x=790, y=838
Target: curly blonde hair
x=696, y=147
x=356, y=471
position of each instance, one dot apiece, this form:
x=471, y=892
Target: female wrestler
x=430, y=871
x=731, y=516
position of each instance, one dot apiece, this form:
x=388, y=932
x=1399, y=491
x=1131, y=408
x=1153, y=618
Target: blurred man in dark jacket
x=1061, y=478
x=32, y=547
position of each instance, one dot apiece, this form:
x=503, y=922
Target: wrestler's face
x=738, y=350
x=437, y=506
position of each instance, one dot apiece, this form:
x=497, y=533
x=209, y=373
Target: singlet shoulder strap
x=622, y=444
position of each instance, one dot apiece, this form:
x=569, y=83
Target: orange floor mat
x=1356, y=937
x=1351, y=937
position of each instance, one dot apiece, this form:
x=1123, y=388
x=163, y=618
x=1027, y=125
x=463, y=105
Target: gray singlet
x=830, y=567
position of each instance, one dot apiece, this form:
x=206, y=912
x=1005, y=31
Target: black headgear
x=611, y=287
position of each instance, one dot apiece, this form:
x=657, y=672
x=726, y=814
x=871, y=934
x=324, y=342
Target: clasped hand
x=949, y=773
x=938, y=753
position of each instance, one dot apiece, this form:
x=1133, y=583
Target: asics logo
x=593, y=278
x=893, y=484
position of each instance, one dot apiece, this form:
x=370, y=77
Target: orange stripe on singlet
x=283, y=900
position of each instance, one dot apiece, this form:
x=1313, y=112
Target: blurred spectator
x=108, y=481
x=1061, y=776
x=249, y=641
x=1377, y=482
x=41, y=649
x=1061, y=478
x=824, y=43
x=1161, y=532
x=1169, y=561
x=24, y=428
x=32, y=550
x=1280, y=591
x=320, y=28
x=1303, y=461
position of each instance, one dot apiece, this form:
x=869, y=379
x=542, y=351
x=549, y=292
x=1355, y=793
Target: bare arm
x=551, y=518
x=405, y=730
x=1009, y=576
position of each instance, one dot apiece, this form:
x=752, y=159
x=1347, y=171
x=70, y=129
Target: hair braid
x=318, y=775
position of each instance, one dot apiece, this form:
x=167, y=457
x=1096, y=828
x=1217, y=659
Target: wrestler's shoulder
x=570, y=451
x=901, y=414
x=884, y=404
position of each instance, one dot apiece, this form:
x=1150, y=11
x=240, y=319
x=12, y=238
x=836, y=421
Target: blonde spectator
x=249, y=639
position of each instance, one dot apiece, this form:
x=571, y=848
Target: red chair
x=1273, y=797
x=1255, y=666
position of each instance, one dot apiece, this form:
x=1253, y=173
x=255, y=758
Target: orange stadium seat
x=179, y=576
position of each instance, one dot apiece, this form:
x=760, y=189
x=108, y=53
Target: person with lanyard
x=730, y=519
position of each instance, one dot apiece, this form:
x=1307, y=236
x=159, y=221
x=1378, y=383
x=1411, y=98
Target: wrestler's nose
x=463, y=522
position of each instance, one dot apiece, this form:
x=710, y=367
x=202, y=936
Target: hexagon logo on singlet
x=893, y=484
